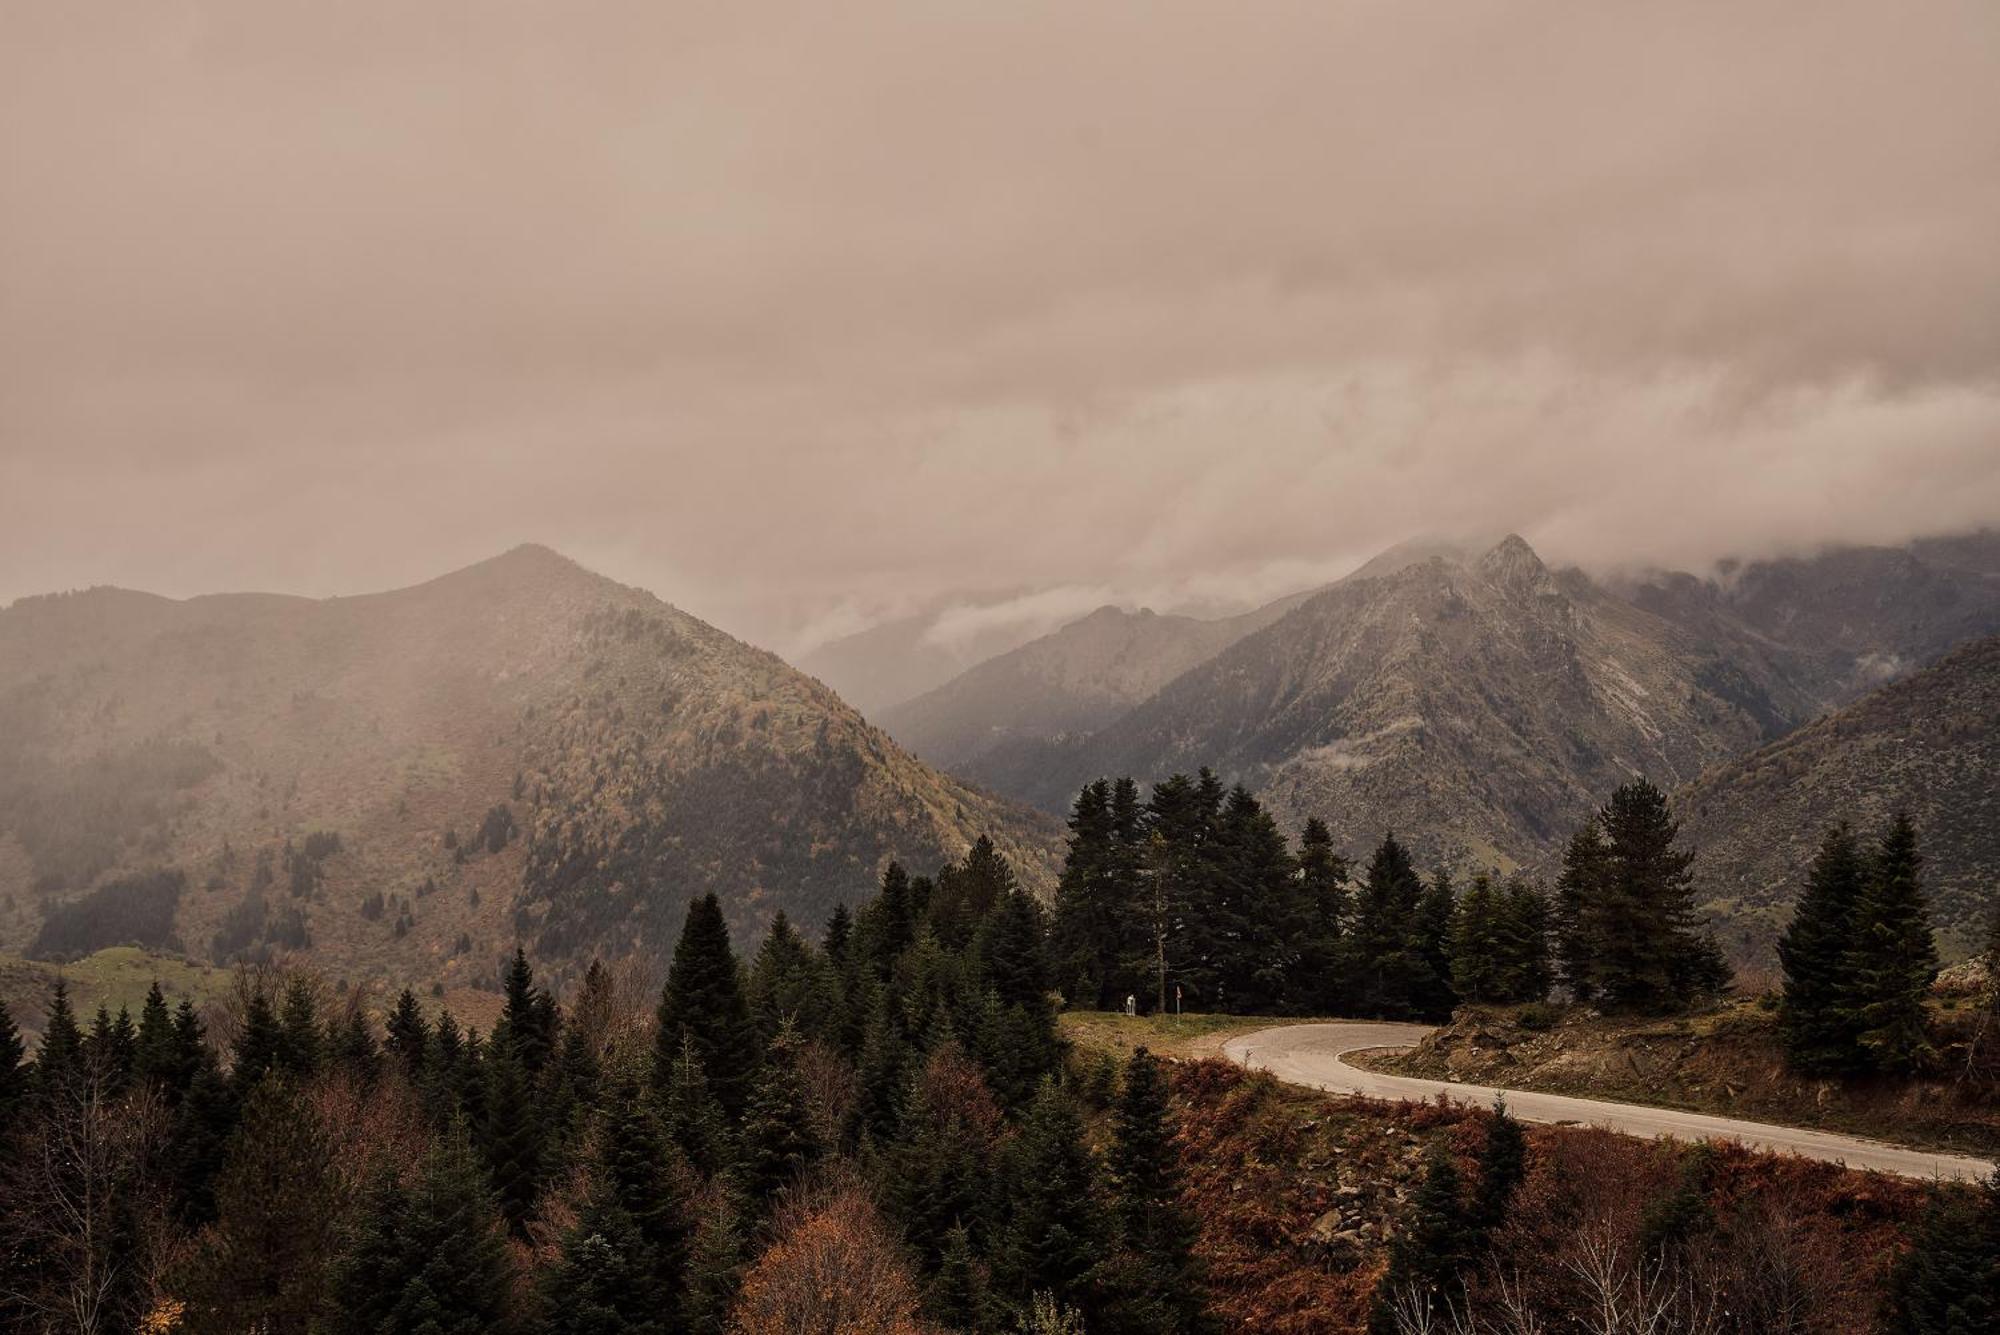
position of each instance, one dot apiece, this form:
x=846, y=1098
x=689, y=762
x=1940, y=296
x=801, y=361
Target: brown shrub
x=835, y=1269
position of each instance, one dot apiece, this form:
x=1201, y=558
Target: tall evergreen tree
x=641, y=1172
x=300, y=1046
x=1323, y=888
x=602, y=1281
x=1157, y=1229
x=1819, y=1036
x=1388, y=966
x=1503, y=1165
x=1477, y=955
x=60, y=1056
x=409, y=1036
x=1892, y=958
x=512, y=1135
x=1631, y=938
x=1948, y=1283
x=13, y=1073
x=429, y=1258
x=263, y=1265
x=259, y=1039
x=1085, y=937
x=690, y=1116
x=703, y=1000
x=156, y=1055
x=939, y=1172
x=1054, y=1235
x=1428, y=1257
x=778, y=1140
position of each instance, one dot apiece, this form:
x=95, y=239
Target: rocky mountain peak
x=1512, y=563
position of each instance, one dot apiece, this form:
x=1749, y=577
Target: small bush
x=1539, y=1016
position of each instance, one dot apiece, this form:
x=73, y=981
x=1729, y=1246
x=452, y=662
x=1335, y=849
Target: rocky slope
x=1929, y=744
x=1063, y=686
x=1478, y=708
x=519, y=750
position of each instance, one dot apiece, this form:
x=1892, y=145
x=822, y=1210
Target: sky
x=807, y=316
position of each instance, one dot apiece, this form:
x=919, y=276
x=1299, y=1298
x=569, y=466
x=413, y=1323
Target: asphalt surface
x=1311, y=1055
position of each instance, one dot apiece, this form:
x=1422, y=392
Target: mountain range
x=409, y=782
x=1474, y=701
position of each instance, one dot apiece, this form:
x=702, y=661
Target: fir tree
x=789, y=984
x=13, y=1074
x=777, y=1126
x=716, y=1260
x=1503, y=1164
x=1428, y=1256
x=1948, y=1283
x=839, y=935
x=1813, y=953
x=1323, y=887
x=1627, y=910
x=603, y=1281
x=703, y=1000
x=1476, y=951
x=512, y=1136
x=59, y=1059
x=527, y=1023
x=1156, y=1228
x=690, y=1116
x=427, y=1259
x=939, y=1173
x=263, y=1265
x=156, y=1055
x=1388, y=968
x=409, y=1036
x=1892, y=958
x=1430, y=935
x=956, y=1298
x=300, y=1049
x=1053, y=1235
x=258, y=1041
x=639, y=1172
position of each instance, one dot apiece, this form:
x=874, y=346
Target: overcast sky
x=806, y=318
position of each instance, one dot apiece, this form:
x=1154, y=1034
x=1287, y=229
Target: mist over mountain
x=410, y=781
x=1474, y=701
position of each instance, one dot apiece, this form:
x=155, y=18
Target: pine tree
x=640, y=1172
x=1585, y=868
x=777, y=1126
x=1630, y=938
x=1084, y=937
x=154, y=1055
x=1430, y=930
x=258, y=1042
x=1428, y=1257
x=409, y=1036
x=690, y=1116
x=882, y=1070
x=1053, y=1235
x=527, y=1023
x=1389, y=971
x=263, y=1265
x=1948, y=1283
x=1813, y=953
x=1253, y=918
x=603, y=1281
x=1323, y=887
x=716, y=1260
x=939, y=1172
x=956, y=1298
x=427, y=1259
x=1503, y=1164
x=886, y=925
x=1527, y=971
x=703, y=999
x=1157, y=1230
x=59, y=1059
x=839, y=935
x=511, y=1136
x=789, y=984
x=1892, y=958
x=13, y=1074
x=300, y=1049
x=1476, y=951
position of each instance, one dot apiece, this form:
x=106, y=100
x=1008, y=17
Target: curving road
x=1310, y=1055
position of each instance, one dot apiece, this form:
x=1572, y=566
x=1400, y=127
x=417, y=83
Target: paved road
x=1310, y=1054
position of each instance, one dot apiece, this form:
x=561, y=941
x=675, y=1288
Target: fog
x=816, y=316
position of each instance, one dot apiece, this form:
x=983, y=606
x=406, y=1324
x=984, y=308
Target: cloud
x=806, y=315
